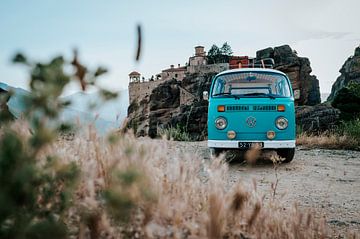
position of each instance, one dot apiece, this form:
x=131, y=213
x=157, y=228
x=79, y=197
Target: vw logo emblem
x=251, y=121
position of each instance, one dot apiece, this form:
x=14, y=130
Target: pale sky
x=325, y=31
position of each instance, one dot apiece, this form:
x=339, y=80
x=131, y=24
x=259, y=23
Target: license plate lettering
x=247, y=145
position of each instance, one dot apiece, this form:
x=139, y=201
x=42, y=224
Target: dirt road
x=325, y=180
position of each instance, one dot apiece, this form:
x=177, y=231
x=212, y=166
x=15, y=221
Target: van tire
x=288, y=154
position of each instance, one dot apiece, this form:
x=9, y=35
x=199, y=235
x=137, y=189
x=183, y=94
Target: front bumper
x=268, y=144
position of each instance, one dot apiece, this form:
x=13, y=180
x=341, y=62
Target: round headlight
x=281, y=123
x=220, y=123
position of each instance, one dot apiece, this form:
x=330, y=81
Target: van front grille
x=264, y=107
x=251, y=108
x=237, y=108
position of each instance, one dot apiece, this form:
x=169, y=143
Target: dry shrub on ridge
x=327, y=141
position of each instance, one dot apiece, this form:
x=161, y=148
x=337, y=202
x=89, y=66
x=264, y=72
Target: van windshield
x=251, y=84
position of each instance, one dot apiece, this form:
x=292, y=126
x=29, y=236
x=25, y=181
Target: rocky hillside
x=350, y=71
x=298, y=69
x=163, y=108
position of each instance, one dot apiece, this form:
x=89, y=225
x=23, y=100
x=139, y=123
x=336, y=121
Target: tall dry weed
x=138, y=188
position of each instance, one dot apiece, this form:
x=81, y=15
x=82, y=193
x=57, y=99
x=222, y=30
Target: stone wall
x=197, y=60
x=140, y=90
x=206, y=69
x=179, y=75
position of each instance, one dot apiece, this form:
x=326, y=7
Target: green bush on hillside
x=347, y=100
x=177, y=133
x=351, y=128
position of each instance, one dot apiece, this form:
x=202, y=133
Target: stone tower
x=199, y=51
x=134, y=77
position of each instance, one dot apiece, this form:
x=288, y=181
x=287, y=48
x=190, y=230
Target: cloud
x=325, y=35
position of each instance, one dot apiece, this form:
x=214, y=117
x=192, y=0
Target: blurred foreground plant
x=36, y=188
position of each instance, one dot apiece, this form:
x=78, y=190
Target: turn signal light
x=270, y=134
x=281, y=108
x=231, y=134
x=221, y=108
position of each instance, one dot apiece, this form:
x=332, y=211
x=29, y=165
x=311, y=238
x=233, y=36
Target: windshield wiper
x=271, y=96
x=228, y=94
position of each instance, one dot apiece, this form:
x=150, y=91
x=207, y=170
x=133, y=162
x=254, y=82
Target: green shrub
x=351, y=128
x=175, y=133
x=347, y=100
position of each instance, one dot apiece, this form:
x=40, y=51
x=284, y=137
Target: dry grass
x=327, y=141
x=174, y=195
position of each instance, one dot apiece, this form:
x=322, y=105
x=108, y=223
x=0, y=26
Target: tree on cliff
x=226, y=49
x=219, y=55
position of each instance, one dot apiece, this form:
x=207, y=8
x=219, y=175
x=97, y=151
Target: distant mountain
x=113, y=110
x=105, y=116
x=16, y=103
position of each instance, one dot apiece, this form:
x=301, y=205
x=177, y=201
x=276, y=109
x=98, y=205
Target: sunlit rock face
x=299, y=71
x=173, y=103
x=350, y=71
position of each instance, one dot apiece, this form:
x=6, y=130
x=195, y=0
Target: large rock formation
x=316, y=118
x=179, y=103
x=350, y=71
x=164, y=108
x=298, y=69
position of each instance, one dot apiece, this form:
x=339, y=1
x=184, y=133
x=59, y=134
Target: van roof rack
x=262, y=63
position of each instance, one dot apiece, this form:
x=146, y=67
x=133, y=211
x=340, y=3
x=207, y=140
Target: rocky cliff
x=350, y=71
x=298, y=69
x=164, y=107
x=317, y=118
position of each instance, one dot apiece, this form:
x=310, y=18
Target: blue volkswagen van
x=251, y=106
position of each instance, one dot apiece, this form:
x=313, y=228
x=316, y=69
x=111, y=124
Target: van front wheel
x=288, y=154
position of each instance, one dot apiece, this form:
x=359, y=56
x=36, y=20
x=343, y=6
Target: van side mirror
x=205, y=95
x=296, y=94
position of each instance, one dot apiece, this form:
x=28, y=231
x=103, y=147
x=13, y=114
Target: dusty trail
x=325, y=180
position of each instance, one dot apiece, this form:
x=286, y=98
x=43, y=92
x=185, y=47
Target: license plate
x=247, y=145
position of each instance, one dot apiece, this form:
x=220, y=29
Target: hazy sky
x=326, y=31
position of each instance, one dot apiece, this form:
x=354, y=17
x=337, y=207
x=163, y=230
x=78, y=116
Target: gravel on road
x=327, y=181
